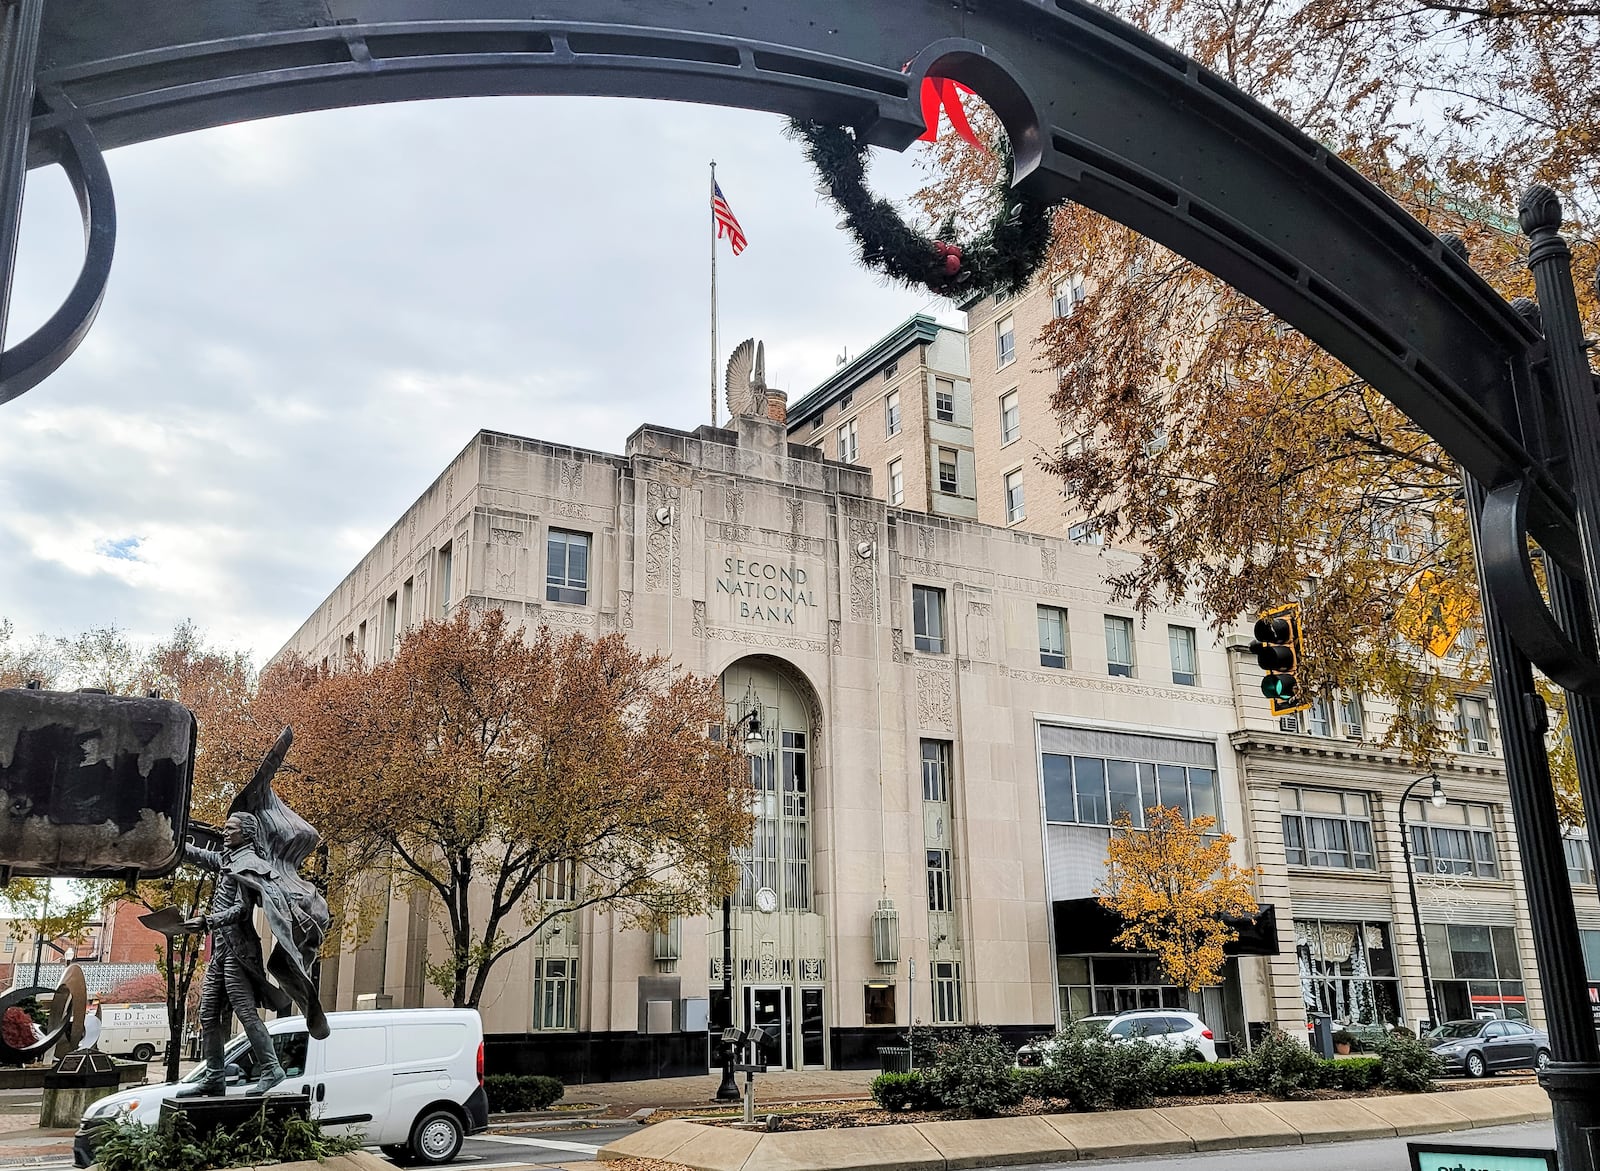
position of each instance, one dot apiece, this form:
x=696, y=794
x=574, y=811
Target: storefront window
x=1347, y=970
x=1477, y=971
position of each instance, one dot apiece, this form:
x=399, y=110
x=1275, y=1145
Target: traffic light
x=1277, y=650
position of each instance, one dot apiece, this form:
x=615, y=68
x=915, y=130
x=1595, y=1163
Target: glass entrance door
x=768, y=1008
x=811, y=1044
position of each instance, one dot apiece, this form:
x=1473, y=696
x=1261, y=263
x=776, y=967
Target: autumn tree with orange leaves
x=1245, y=465
x=1174, y=885
x=482, y=757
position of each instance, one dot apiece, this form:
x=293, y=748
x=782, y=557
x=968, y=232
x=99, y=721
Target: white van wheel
x=436, y=1137
x=144, y=1052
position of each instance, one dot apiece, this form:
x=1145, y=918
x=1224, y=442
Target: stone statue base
x=209, y=1115
x=77, y=1080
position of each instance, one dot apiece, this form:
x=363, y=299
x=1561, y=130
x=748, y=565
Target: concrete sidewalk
x=1055, y=1138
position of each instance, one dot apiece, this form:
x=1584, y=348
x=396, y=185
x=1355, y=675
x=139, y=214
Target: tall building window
x=1181, y=645
x=891, y=413
x=1119, y=646
x=1068, y=293
x=1005, y=342
x=927, y=616
x=779, y=854
x=408, y=593
x=1318, y=721
x=848, y=448
x=1351, y=714
x=949, y=483
x=1016, y=508
x=936, y=770
x=1472, y=724
x=444, y=581
x=1052, y=636
x=1092, y=790
x=1580, y=861
x=555, y=985
x=944, y=400
x=1086, y=532
x=947, y=993
x=1010, y=418
x=939, y=880
x=566, y=574
x=1327, y=828
x=1475, y=969
x=389, y=635
x=1456, y=838
x=897, y=483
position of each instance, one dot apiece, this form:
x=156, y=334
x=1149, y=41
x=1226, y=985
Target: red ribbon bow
x=945, y=93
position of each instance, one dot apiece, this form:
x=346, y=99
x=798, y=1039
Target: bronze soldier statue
x=264, y=842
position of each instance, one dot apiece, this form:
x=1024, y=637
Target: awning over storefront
x=1084, y=927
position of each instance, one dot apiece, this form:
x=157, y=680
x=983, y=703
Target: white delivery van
x=408, y=1079
x=138, y=1031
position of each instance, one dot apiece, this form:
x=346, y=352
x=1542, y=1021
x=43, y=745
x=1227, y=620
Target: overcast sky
x=309, y=316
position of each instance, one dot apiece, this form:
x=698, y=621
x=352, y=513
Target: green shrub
x=973, y=1072
x=175, y=1146
x=1407, y=1064
x=1282, y=1066
x=1194, y=1078
x=516, y=1093
x=903, y=1091
x=1097, y=1073
x=1353, y=1073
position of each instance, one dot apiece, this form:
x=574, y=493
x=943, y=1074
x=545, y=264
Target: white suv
x=1170, y=1028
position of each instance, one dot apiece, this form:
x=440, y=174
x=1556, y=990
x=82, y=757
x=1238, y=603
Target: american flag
x=722, y=215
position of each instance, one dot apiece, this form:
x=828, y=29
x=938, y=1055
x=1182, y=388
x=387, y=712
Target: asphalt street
x=1376, y=1155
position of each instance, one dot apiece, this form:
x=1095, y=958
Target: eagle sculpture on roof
x=746, y=381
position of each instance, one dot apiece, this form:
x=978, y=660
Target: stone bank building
x=950, y=714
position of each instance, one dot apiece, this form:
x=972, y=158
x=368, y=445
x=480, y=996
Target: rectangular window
x=1318, y=722
x=1580, y=861
x=944, y=400
x=848, y=449
x=361, y=639
x=444, y=582
x=555, y=983
x=1351, y=715
x=1052, y=636
x=1068, y=294
x=936, y=770
x=1016, y=508
x=1472, y=724
x=407, y=600
x=1086, y=532
x=939, y=880
x=891, y=413
x=927, y=615
x=390, y=633
x=947, y=993
x=1453, y=839
x=897, y=483
x=1327, y=828
x=1181, y=644
x=1010, y=418
x=891, y=370
x=566, y=576
x=880, y=1004
x=949, y=484
x=1005, y=342
x=1119, y=646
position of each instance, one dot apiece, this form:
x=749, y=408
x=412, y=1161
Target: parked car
x=1481, y=1047
x=1169, y=1027
x=408, y=1080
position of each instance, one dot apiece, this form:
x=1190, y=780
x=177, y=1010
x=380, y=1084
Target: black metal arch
x=1099, y=113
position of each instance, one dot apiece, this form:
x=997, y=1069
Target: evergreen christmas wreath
x=1002, y=257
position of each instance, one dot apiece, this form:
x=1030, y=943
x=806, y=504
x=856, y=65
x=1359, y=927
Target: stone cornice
x=1250, y=741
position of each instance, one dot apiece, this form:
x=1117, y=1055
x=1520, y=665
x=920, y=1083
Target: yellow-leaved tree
x=1174, y=884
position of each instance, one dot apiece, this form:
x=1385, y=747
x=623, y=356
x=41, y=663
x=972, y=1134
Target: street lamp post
x=1438, y=800
x=728, y=1089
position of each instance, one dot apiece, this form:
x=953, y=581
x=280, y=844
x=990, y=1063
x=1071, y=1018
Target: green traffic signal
x=1277, y=651
x=1278, y=686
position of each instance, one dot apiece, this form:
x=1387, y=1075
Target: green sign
x=1449, y=1157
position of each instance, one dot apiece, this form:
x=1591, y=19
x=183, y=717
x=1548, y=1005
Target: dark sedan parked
x=1476, y=1048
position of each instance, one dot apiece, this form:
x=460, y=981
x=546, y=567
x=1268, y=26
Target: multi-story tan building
x=903, y=411
x=951, y=718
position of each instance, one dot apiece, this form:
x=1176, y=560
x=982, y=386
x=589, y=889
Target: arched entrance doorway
x=776, y=922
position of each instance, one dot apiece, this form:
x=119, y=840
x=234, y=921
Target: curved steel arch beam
x=1100, y=112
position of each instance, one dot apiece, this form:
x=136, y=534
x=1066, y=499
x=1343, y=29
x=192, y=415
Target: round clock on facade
x=766, y=900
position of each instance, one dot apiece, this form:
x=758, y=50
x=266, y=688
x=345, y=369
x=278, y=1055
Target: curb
x=1056, y=1138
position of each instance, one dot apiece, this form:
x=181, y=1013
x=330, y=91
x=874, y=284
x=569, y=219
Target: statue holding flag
x=258, y=869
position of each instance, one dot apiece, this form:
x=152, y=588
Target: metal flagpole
x=712, y=208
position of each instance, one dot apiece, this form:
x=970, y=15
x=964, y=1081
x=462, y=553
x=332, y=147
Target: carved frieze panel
x=862, y=583
x=934, y=700
x=662, y=571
